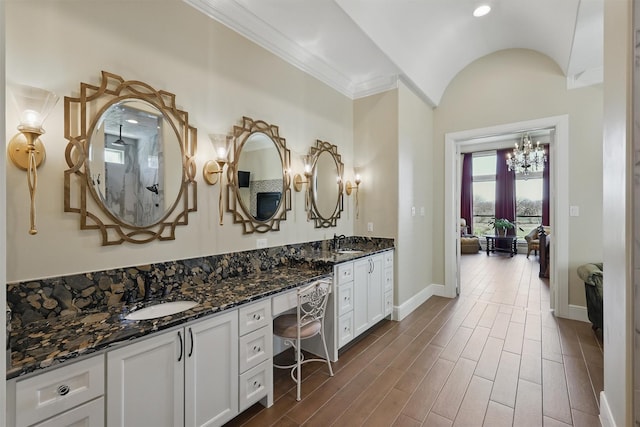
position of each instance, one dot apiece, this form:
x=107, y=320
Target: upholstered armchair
x=533, y=242
x=592, y=276
x=469, y=244
x=464, y=228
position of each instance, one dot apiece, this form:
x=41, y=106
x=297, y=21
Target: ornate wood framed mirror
x=326, y=185
x=259, y=185
x=133, y=151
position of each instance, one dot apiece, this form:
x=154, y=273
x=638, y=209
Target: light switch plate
x=413, y=211
x=574, y=210
x=369, y=226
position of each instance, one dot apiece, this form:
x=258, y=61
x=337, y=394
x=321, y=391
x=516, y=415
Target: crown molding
x=239, y=19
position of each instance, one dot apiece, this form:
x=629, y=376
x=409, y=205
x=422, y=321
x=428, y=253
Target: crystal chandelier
x=526, y=158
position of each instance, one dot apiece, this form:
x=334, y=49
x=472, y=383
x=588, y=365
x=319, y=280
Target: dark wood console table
x=505, y=244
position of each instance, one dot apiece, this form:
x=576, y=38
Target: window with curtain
x=528, y=196
x=484, y=191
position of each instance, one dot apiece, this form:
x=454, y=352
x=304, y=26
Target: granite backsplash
x=35, y=300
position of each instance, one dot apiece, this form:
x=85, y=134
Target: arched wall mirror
x=326, y=184
x=133, y=151
x=258, y=189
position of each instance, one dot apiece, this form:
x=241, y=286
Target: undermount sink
x=349, y=251
x=160, y=310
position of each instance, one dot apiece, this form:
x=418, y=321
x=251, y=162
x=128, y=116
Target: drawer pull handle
x=256, y=385
x=257, y=317
x=256, y=349
x=63, y=390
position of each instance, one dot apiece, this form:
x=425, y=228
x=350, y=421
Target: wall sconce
x=25, y=149
x=298, y=183
x=213, y=169
x=349, y=188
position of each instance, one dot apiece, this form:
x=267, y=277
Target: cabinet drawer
x=56, y=391
x=255, y=384
x=388, y=259
x=345, y=329
x=345, y=298
x=388, y=303
x=254, y=316
x=345, y=272
x=284, y=302
x=88, y=415
x=255, y=348
x=388, y=280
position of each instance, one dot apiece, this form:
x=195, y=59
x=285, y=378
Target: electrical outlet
x=261, y=243
x=421, y=210
x=574, y=210
x=369, y=226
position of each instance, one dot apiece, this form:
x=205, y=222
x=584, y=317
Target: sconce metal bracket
x=18, y=150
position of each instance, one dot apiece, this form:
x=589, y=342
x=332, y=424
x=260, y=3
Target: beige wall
x=393, y=149
x=216, y=75
x=617, y=399
x=519, y=85
x=3, y=248
x=415, y=190
x=376, y=153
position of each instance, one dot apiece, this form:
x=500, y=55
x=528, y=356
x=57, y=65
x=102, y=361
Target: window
x=484, y=191
x=528, y=196
x=528, y=202
x=113, y=156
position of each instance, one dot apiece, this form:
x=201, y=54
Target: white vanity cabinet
x=187, y=376
x=388, y=283
x=344, y=301
x=368, y=291
x=71, y=395
x=256, y=354
x=364, y=294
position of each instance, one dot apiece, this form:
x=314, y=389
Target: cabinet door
x=211, y=371
x=375, y=301
x=361, y=270
x=145, y=382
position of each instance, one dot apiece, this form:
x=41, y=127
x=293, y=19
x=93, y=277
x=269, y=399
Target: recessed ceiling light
x=481, y=10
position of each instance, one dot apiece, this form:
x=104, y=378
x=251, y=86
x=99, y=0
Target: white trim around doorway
x=458, y=142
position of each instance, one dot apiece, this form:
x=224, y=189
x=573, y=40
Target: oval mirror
x=130, y=151
x=259, y=179
x=326, y=184
x=258, y=189
x=131, y=157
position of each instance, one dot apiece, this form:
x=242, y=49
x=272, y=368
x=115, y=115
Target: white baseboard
x=403, y=310
x=578, y=312
x=606, y=417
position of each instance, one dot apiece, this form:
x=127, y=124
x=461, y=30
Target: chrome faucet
x=336, y=241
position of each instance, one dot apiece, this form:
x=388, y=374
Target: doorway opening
x=493, y=138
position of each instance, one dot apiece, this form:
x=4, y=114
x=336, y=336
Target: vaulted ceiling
x=362, y=47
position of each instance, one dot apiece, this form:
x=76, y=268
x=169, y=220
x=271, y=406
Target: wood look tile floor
x=494, y=356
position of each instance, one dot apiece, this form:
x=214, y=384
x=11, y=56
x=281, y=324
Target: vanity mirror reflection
x=326, y=184
x=133, y=151
x=258, y=190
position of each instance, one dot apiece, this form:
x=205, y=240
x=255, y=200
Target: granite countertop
x=49, y=342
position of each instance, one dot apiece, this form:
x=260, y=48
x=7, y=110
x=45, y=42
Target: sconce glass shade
x=33, y=104
x=220, y=146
